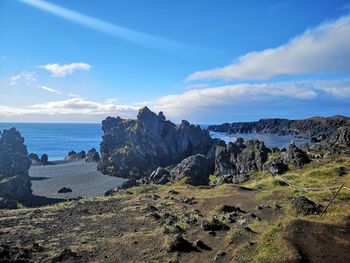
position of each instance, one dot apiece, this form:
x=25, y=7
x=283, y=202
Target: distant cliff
x=312, y=127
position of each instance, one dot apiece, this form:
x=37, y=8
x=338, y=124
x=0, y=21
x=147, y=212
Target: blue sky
x=205, y=61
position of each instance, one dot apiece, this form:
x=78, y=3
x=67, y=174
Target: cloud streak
x=49, y=89
x=73, y=106
x=322, y=49
x=58, y=70
x=105, y=27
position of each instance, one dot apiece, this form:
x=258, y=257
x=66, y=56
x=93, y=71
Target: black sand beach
x=81, y=177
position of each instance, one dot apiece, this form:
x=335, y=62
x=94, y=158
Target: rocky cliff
x=15, y=183
x=135, y=148
x=312, y=127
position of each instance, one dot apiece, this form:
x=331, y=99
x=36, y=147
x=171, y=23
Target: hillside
x=140, y=223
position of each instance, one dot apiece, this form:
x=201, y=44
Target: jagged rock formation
x=15, y=183
x=313, y=127
x=135, y=148
x=196, y=168
x=280, y=160
x=341, y=136
x=240, y=157
x=92, y=156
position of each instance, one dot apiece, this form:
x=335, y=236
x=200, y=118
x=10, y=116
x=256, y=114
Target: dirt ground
x=136, y=226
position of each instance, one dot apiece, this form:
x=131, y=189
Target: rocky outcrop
x=317, y=127
x=135, y=148
x=196, y=169
x=34, y=158
x=295, y=156
x=240, y=158
x=92, y=156
x=44, y=159
x=72, y=155
x=15, y=183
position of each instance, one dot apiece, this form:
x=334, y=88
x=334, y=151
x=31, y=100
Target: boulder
x=305, y=206
x=196, y=168
x=64, y=190
x=44, y=159
x=34, y=158
x=135, y=148
x=160, y=176
x=92, y=156
x=276, y=167
x=214, y=225
x=15, y=185
x=180, y=244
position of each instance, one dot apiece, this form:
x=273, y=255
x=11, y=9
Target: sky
x=204, y=61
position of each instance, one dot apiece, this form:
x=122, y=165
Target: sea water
x=57, y=139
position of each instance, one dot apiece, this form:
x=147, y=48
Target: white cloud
x=58, y=70
x=74, y=106
x=238, y=98
x=28, y=77
x=322, y=49
x=49, y=89
x=247, y=95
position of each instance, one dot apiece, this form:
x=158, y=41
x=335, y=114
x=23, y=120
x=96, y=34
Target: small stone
x=64, y=190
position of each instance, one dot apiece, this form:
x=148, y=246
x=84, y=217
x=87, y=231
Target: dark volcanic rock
x=196, y=168
x=160, y=176
x=276, y=167
x=34, y=158
x=64, y=255
x=180, y=244
x=10, y=254
x=240, y=158
x=64, y=190
x=135, y=148
x=305, y=206
x=92, y=156
x=14, y=164
x=72, y=155
x=44, y=159
x=312, y=127
x=214, y=225
x=295, y=156
x=7, y=203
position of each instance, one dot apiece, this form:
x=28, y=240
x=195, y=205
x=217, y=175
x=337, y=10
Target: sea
x=57, y=139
